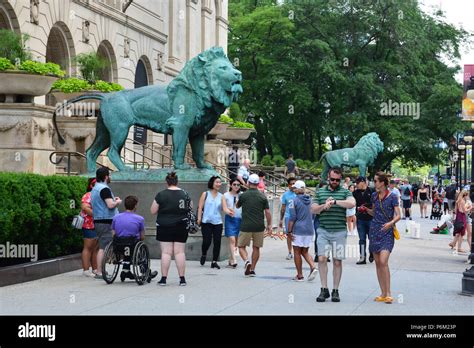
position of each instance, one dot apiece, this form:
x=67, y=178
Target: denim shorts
x=89, y=234
x=332, y=242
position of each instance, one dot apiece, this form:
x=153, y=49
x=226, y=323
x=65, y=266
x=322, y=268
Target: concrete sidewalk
x=426, y=280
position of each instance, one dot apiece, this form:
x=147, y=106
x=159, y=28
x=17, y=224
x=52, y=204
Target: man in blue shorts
x=286, y=199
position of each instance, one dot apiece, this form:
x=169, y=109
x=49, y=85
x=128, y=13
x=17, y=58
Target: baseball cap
x=254, y=179
x=360, y=179
x=299, y=184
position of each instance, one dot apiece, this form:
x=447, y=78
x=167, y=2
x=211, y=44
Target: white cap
x=299, y=184
x=254, y=179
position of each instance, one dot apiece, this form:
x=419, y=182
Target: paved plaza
x=426, y=280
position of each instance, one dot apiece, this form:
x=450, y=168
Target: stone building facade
x=148, y=43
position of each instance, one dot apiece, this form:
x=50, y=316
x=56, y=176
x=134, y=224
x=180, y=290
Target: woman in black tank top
x=423, y=199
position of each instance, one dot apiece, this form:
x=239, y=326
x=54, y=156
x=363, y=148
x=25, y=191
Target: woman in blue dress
x=386, y=213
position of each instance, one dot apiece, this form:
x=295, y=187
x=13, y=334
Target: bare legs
x=383, y=272
x=255, y=255
x=299, y=254
x=232, y=246
x=168, y=249
x=323, y=272
x=89, y=254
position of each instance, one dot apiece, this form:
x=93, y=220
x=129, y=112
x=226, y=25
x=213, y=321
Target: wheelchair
x=128, y=252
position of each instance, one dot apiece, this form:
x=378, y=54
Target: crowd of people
x=337, y=209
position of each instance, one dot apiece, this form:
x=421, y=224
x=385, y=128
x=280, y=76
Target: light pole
x=468, y=275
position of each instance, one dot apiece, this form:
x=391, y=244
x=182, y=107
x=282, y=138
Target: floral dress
x=379, y=239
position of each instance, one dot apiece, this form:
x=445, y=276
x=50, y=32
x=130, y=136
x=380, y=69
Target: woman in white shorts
x=301, y=231
x=351, y=216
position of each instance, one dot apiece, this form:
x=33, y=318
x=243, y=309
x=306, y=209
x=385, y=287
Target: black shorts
x=406, y=203
x=175, y=233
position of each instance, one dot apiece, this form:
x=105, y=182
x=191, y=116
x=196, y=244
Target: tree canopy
x=317, y=71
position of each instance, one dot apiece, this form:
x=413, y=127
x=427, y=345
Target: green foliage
x=267, y=161
x=238, y=124
x=236, y=114
x=107, y=87
x=39, y=209
x=279, y=160
x=91, y=65
x=311, y=183
x=324, y=73
x=74, y=85
x=5, y=64
x=12, y=46
x=41, y=68
x=226, y=119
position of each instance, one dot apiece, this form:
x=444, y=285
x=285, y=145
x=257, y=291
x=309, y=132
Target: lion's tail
x=95, y=96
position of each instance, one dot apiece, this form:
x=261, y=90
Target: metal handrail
x=223, y=169
x=69, y=154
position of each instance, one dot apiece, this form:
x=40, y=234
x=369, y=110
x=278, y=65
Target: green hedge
x=38, y=210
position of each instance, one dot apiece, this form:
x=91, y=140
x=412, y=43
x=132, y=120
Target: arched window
x=143, y=77
x=106, y=51
x=60, y=48
x=8, y=18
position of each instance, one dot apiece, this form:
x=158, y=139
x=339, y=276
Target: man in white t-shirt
x=244, y=173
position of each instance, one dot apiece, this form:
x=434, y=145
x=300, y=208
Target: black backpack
x=450, y=192
x=407, y=191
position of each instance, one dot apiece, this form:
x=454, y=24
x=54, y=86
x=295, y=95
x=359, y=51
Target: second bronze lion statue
x=188, y=108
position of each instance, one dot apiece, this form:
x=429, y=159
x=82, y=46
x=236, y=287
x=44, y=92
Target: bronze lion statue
x=188, y=108
x=362, y=155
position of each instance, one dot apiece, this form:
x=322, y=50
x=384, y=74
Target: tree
x=318, y=71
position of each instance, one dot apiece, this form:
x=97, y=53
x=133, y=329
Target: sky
x=459, y=13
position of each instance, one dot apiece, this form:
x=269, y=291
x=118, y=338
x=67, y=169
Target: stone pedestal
x=26, y=132
x=146, y=192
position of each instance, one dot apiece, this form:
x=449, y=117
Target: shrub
x=236, y=114
x=74, y=85
x=91, y=65
x=279, y=160
x=5, y=64
x=12, y=46
x=267, y=161
x=107, y=87
x=311, y=183
x=238, y=124
x=226, y=119
x=39, y=209
x=41, y=68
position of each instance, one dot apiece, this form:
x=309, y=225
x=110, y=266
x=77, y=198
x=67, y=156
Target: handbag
x=77, y=222
x=191, y=220
x=396, y=234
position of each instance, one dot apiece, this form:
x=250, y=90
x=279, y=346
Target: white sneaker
x=290, y=256
x=312, y=274
x=88, y=274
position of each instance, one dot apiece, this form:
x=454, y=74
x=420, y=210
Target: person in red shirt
x=261, y=183
x=90, y=248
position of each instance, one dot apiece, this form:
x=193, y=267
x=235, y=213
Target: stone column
x=26, y=132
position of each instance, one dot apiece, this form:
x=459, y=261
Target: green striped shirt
x=333, y=219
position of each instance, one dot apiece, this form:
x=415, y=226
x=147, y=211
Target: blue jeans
x=363, y=228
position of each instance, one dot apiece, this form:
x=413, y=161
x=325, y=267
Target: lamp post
x=468, y=275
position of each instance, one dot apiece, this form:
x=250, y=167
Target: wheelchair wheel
x=141, y=263
x=110, y=264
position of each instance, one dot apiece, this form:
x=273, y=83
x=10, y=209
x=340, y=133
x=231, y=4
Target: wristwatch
x=335, y=202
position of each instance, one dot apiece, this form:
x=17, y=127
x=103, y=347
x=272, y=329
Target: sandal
x=388, y=300
x=298, y=279
x=379, y=299
x=230, y=265
x=451, y=245
x=462, y=251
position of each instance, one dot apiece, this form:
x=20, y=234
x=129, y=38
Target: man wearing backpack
x=451, y=196
x=406, y=199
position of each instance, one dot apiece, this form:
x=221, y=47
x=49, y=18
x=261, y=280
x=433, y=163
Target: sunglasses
x=335, y=180
x=237, y=185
